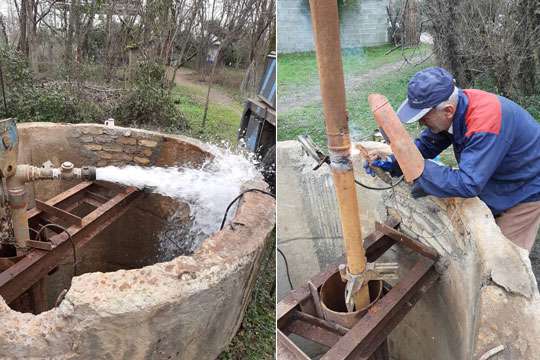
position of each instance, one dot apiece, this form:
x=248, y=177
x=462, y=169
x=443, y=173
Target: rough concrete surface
x=186, y=308
x=487, y=295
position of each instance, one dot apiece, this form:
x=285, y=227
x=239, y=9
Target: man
x=496, y=144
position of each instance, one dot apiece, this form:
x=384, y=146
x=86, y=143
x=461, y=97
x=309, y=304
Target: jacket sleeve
x=431, y=144
x=480, y=158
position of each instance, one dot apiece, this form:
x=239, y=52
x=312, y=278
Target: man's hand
x=389, y=164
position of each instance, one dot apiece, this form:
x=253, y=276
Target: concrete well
x=487, y=294
x=127, y=304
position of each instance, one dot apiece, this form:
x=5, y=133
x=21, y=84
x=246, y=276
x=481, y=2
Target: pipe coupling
x=17, y=198
x=88, y=173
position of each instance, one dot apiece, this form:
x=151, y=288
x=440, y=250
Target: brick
x=113, y=148
x=121, y=156
x=131, y=149
x=147, y=143
x=141, y=161
x=127, y=140
x=92, y=130
x=103, y=139
x=104, y=155
x=93, y=147
x=147, y=152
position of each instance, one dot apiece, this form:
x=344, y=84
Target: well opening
x=154, y=228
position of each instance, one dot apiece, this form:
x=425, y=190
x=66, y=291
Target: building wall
x=363, y=23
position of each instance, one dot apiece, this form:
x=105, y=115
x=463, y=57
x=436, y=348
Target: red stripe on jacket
x=484, y=113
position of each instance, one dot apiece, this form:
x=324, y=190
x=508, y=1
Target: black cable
x=286, y=267
x=383, y=188
x=52, y=225
x=237, y=198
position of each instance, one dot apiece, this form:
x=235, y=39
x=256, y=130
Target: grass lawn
x=298, y=70
x=222, y=122
x=309, y=119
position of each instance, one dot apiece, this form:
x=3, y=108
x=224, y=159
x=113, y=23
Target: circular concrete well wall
x=135, y=300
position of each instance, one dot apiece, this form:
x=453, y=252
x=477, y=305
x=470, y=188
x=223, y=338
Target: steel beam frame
x=296, y=313
x=34, y=266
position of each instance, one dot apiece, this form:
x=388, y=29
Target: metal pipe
x=324, y=15
x=407, y=154
x=17, y=194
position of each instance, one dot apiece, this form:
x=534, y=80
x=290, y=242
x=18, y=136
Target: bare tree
x=233, y=17
x=489, y=39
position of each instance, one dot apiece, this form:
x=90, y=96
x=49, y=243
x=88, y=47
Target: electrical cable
x=60, y=227
x=238, y=198
x=383, y=188
x=286, y=267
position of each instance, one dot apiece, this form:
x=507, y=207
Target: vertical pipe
x=17, y=203
x=325, y=19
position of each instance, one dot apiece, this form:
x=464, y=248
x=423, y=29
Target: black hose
x=237, y=198
x=52, y=225
x=286, y=267
x=383, y=188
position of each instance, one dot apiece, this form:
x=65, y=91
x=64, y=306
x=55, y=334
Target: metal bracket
x=373, y=271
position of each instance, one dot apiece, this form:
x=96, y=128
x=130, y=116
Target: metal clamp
x=373, y=271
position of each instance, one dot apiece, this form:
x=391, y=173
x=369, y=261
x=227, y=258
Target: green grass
x=256, y=338
x=309, y=119
x=222, y=122
x=299, y=70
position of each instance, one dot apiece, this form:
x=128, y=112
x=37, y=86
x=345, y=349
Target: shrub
x=27, y=100
x=148, y=102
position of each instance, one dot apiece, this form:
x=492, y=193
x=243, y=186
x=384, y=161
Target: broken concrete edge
x=516, y=277
x=230, y=255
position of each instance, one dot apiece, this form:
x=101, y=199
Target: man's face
x=439, y=120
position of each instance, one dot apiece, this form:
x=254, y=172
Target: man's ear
x=449, y=110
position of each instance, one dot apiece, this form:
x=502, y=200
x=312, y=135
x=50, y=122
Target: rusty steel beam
x=312, y=332
x=406, y=241
x=59, y=213
x=38, y=263
x=58, y=199
x=367, y=340
x=286, y=349
x=376, y=244
x=373, y=329
x=329, y=325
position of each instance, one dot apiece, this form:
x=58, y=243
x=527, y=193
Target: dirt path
x=190, y=78
x=305, y=95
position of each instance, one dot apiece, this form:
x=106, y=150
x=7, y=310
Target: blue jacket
x=497, y=146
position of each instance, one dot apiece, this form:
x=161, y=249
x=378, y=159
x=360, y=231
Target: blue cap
x=427, y=89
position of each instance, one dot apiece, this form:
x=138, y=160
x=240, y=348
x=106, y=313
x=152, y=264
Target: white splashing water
x=208, y=190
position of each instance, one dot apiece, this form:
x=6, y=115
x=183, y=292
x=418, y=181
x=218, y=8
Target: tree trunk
x=108, y=45
x=210, y=83
x=22, y=46
x=33, y=44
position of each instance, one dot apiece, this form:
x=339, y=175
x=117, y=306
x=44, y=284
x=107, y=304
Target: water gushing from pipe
x=208, y=190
